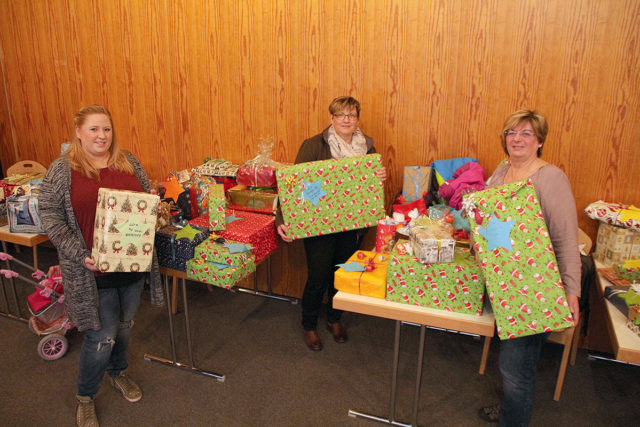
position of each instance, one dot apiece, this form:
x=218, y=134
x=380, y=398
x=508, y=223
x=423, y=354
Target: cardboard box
x=371, y=283
x=124, y=232
x=415, y=182
x=616, y=244
x=330, y=196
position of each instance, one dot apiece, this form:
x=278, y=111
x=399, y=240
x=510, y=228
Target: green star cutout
x=131, y=231
x=189, y=232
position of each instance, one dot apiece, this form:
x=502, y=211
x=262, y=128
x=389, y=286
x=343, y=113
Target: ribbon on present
x=356, y=265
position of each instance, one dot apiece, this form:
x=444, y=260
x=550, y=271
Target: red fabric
x=468, y=178
x=408, y=207
x=258, y=230
x=84, y=196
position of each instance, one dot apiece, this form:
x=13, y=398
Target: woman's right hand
x=90, y=263
x=282, y=232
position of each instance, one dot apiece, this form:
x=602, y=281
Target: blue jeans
x=105, y=350
x=518, y=366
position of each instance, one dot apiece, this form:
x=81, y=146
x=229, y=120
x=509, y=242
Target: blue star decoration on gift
x=351, y=266
x=131, y=231
x=497, y=233
x=189, y=232
x=235, y=248
x=313, y=192
x=221, y=266
x=230, y=218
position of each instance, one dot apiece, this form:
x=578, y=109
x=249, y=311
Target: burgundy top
x=84, y=196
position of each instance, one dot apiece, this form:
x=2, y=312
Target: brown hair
x=537, y=121
x=77, y=157
x=344, y=103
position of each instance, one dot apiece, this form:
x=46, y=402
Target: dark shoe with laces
x=312, y=340
x=338, y=332
x=490, y=414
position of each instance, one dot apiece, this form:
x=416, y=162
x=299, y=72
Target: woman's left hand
x=574, y=306
x=382, y=174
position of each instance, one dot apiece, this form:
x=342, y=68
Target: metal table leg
x=269, y=293
x=173, y=362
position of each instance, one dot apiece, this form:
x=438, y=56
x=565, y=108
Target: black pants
x=323, y=253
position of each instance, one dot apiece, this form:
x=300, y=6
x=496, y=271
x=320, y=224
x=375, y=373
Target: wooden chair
x=569, y=337
x=26, y=167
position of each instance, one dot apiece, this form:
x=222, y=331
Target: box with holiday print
x=221, y=264
x=257, y=230
x=330, y=196
x=616, y=244
x=124, y=230
x=519, y=264
x=364, y=273
x=456, y=286
x=175, y=246
x=217, y=204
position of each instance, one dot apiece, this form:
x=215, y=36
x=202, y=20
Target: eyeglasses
x=342, y=116
x=525, y=134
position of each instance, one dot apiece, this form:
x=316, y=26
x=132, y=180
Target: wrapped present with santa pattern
x=217, y=205
x=456, y=286
x=330, y=196
x=223, y=252
x=217, y=274
x=514, y=250
x=364, y=273
x=124, y=230
x=257, y=230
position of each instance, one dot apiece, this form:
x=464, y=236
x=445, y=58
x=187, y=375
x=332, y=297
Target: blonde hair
x=537, y=121
x=78, y=158
x=344, y=103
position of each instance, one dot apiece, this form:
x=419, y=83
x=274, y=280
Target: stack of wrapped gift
x=615, y=244
x=264, y=200
x=175, y=245
x=456, y=286
x=221, y=264
x=364, y=273
x=124, y=230
x=519, y=264
x=257, y=230
x=432, y=244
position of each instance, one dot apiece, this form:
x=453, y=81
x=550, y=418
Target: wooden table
x=625, y=343
x=483, y=325
x=23, y=239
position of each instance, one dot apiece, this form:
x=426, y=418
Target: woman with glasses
x=524, y=134
x=343, y=138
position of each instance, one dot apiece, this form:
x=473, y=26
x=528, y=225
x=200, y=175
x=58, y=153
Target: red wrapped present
x=201, y=221
x=258, y=230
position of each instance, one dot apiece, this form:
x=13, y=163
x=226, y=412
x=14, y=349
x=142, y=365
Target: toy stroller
x=49, y=317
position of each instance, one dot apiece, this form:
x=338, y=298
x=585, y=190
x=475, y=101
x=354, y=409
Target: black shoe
x=490, y=414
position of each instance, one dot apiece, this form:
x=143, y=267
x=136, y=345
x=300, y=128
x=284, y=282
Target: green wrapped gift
x=629, y=270
x=330, y=196
x=217, y=204
x=515, y=252
x=457, y=286
x=210, y=250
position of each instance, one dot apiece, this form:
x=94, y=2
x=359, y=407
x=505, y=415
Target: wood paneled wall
x=186, y=80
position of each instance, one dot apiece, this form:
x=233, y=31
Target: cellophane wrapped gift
x=214, y=264
x=618, y=214
x=415, y=182
x=257, y=230
x=124, y=232
x=456, y=286
x=432, y=244
x=261, y=170
x=217, y=207
x=370, y=282
x=330, y=196
x=261, y=200
x=616, y=244
x=175, y=252
x=519, y=264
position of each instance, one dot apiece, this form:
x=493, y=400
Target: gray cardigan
x=60, y=224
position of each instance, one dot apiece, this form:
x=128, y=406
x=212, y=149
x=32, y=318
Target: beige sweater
x=559, y=210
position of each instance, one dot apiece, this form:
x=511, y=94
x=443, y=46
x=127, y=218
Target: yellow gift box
x=370, y=283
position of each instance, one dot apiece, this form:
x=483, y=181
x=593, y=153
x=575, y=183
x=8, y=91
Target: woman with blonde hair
x=101, y=304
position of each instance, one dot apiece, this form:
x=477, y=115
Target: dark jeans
x=105, y=350
x=323, y=253
x=518, y=366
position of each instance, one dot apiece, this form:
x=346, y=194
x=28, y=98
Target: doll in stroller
x=49, y=318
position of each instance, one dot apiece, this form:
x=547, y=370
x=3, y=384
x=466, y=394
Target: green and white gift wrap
x=209, y=250
x=217, y=204
x=214, y=263
x=330, y=196
x=456, y=286
x=520, y=268
x=124, y=230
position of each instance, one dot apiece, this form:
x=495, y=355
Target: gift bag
x=22, y=214
x=384, y=236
